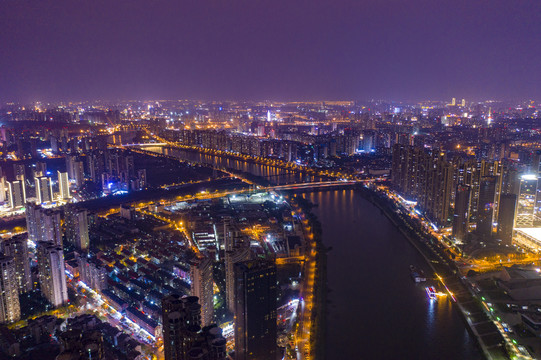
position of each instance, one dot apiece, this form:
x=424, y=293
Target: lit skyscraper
x=255, y=310
x=526, y=201
x=52, y=276
x=17, y=248
x=44, y=190
x=16, y=193
x=64, y=185
x=202, y=287
x=9, y=296
x=3, y=187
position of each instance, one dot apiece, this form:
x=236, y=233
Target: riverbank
x=318, y=326
x=477, y=322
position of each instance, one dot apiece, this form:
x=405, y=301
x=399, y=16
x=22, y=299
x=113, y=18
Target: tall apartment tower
x=16, y=194
x=33, y=221
x=3, y=188
x=63, y=185
x=76, y=221
x=202, y=287
x=181, y=321
x=10, y=310
x=19, y=171
x=70, y=160
x=51, y=226
x=462, y=212
x=78, y=173
x=485, y=210
x=526, y=201
x=52, y=276
x=43, y=224
x=17, y=248
x=506, y=217
x=255, y=310
x=44, y=189
x=236, y=255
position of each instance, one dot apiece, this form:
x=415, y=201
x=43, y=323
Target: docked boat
x=416, y=274
x=431, y=293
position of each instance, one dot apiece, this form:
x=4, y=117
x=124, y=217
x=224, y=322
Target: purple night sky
x=278, y=50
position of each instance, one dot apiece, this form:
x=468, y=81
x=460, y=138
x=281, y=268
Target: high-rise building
x=142, y=177
x=129, y=166
x=70, y=160
x=79, y=173
x=52, y=276
x=17, y=248
x=40, y=169
x=76, y=226
x=3, y=188
x=255, y=310
x=426, y=177
x=485, y=210
x=92, y=274
x=183, y=337
x=51, y=226
x=10, y=310
x=201, y=273
x=44, y=190
x=236, y=255
x=43, y=224
x=19, y=171
x=33, y=221
x=64, y=185
x=462, y=212
x=526, y=201
x=16, y=193
x=181, y=321
x=506, y=217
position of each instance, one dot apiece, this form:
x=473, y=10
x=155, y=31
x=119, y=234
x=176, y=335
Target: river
x=275, y=175
x=375, y=310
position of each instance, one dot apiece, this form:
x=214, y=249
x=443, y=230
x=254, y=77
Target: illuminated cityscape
x=270, y=181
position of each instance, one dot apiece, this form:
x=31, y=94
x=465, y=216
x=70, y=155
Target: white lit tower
x=16, y=193
x=63, y=185
x=44, y=190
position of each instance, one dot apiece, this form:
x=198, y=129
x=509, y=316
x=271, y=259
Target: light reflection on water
x=373, y=303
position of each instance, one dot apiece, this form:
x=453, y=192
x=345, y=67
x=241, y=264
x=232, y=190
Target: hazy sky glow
x=263, y=49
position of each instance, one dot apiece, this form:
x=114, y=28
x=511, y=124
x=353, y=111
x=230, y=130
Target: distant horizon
x=391, y=101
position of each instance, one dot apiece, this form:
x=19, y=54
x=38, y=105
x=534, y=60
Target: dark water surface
x=375, y=310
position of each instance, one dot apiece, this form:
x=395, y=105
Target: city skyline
x=290, y=179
